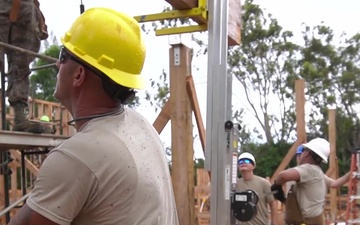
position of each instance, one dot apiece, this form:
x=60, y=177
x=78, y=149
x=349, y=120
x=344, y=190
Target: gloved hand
x=279, y=193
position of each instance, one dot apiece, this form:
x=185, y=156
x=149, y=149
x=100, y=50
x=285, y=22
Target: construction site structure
x=221, y=18
x=207, y=15
x=353, y=204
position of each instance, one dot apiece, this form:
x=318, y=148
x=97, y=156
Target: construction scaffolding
x=25, y=151
x=22, y=153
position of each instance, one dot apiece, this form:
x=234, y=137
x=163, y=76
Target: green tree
x=331, y=69
x=43, y=81
x=265, y=65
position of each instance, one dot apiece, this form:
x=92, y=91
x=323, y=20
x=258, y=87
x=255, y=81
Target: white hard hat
x=320, y=146
x=247, y=155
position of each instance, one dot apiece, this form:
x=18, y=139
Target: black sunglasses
x=65, y=55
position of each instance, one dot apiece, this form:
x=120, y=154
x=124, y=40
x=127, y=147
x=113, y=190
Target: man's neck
x=247, y=175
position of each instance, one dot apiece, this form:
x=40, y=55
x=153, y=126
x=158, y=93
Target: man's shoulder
x=261, y=179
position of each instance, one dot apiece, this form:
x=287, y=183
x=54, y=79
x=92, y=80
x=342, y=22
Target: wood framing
x=332, y=158
x=234, y=17
x=183, y=4
x=182, y=170
x=234, y=23
x=300, y=127
x=163, y=118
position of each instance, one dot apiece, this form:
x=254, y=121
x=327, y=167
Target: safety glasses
x=65, y=55
x=244, y=161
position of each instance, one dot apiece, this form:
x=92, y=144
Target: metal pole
x=43, y=66
x=44, y=57
x=4, y=157
x=7, y=210
x=218, y=156
x=23, y=173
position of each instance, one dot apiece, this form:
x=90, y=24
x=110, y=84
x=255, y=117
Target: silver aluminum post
x=219, y=91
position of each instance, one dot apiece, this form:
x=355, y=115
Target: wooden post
x=332, y=140
x=300, y=126
x=181, y=134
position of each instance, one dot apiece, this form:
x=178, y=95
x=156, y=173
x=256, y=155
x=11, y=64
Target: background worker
x=310, y=186
x=22, y=25
x=330, y=183
x=261, y=186
x=113, y=170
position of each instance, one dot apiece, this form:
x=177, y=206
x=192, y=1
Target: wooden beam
x=197, y=112
x=28, y=164
x=163, y=118
x=300, y=127
x=195, y=107
x=234, y=17
x=182, y=170
x=234, y=23
x=183, y=4
x=285, y=162
x=332, y=140
x=300, y=109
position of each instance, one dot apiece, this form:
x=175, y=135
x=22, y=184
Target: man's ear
x=79, y=76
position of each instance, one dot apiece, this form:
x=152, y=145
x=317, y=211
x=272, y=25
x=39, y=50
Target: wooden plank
x=332, y=140
x=300, y=109
x=195, y=107
x=181, y=134
x=234, y=23
x=28, y=164
x=300, y=128
x=25, y=140
x=183, y=4
x=163, y=118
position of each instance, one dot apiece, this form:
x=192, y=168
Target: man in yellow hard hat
x=113, y=170
x=22, y=24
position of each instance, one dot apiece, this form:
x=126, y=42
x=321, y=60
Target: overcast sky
x=342, y=16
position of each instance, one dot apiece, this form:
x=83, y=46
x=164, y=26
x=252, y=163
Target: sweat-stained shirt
x=113, y=171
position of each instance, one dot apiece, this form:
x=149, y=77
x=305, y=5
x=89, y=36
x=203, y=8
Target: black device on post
x=243, y=205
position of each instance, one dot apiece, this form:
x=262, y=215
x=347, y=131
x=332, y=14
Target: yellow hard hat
x=111, y=42
x=45, y=118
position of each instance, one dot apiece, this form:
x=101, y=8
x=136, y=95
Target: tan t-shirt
x=113, y=171
x=310, y=190
x=262, y=188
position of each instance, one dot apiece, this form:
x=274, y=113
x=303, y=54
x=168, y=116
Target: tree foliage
x=265, y=66
x=42, y=81
x=268, y=62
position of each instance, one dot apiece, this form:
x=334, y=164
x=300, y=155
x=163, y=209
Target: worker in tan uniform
x=113, y=170
x=261, y=186
x=22, y=25
x=310, y=187
x=330, y=182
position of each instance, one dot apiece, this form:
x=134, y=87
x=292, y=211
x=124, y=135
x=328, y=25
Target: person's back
x=121, y=166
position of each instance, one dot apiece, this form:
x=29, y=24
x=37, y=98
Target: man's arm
x=287, y=175
x=331, y=183
x=27, y=216
x=274, y=212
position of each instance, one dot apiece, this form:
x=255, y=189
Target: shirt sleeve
x=62, y=187
x=307, y=173
x=327, y=180
x=268, y=195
